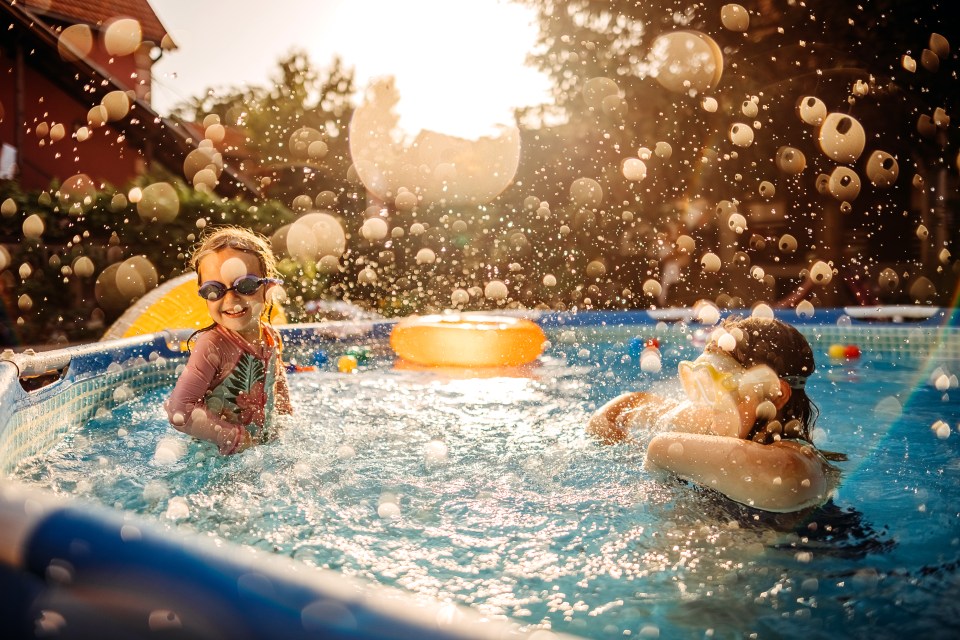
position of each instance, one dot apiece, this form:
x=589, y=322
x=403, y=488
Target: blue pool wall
x=101, y=570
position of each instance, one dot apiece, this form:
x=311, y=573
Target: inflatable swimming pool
x=437, y=505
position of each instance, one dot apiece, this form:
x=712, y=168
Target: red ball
x=652, y=342
x=851, y=352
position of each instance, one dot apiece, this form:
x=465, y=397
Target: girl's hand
x=611, y=423
x=246, y=440
x=243, y=440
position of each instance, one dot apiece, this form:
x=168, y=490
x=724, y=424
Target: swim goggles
x=710, y=377
x=244, y=285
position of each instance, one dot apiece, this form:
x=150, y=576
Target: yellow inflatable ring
x=467, y=340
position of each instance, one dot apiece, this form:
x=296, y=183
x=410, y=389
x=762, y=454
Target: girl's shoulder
x=274, y=337
x=206, y=337
x=211, y=344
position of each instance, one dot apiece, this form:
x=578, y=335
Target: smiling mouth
x=234, y=313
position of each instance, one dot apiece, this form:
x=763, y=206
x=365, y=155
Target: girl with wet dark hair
x=744, y=427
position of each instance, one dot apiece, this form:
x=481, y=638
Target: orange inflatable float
x=467, y=340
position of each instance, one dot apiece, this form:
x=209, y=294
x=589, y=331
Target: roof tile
x=99, y=12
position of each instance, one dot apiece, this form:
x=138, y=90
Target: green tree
x=282, y=121
x=791, y=50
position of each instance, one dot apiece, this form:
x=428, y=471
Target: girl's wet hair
x=240, y=239
x=776, y=344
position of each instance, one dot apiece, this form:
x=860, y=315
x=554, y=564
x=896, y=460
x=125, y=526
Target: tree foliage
x=791, y=50
x=302, y=101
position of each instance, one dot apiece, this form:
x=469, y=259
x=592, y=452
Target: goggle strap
x=795, y=382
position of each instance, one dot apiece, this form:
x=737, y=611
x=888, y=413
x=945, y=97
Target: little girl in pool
x=744, y=429
x=234, y=377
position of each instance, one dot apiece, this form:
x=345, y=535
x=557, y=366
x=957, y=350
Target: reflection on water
x=486, y=492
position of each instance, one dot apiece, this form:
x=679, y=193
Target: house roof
x=99, y=12
x=233, y=145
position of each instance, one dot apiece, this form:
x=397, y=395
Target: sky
x=460, y=65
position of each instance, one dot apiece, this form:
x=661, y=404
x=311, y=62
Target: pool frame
x=63, y=555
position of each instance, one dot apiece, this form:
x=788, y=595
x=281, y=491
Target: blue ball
x=319, y=358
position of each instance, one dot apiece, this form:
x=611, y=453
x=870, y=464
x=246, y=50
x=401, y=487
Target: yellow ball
x=348, y=364
x=836, y=351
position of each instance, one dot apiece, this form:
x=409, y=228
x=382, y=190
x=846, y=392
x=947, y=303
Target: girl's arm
x=186, y=409
x=282, y=402
x=612, y=422
x=784, y=476
x=281, y=390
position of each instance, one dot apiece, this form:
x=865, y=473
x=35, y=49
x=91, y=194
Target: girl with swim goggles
x=234, y=378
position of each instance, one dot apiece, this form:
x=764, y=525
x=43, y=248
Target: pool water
x=485, y=491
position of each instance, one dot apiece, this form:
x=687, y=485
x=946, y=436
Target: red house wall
x=105, y=156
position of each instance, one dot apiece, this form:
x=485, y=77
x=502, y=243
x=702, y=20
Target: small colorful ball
x=851, y=352
x=347, y=364
x=836, y=351
x=360, y=353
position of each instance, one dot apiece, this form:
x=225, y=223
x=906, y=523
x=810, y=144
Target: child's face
x=234, y=311
x=733, y=392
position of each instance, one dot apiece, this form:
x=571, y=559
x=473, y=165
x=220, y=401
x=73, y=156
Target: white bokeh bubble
x=374, y=229
x=315, y=236
x=812, y=110
x=663, y=150
x=426, y=256
x=735, y=17
x=122, y=37
x=495, y=290
x=367, y=276
x=710, y=262
x=821, y=272
x=805, y=309
x=596, y=90
x=686, y=244
x=741, y=134
x=727, y=342
x=842, y=137
x=587, y=192
x=882, y=169
x=686, y=61
x=634, y=169
x=652, y=288
x=158, y=201
x=75, y=42
x=790, y=160
x=459, y=297
x=177, y=508
x=737, y=223
x=844, y=184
